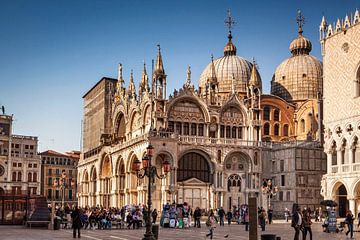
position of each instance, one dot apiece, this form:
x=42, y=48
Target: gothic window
x=302, y=125
x=266, y=114
x=234, y=181
x=194, y=165
x=276, y=129
x=233, y=132
x=29, y=177
x=34, y=177
x=276, y=115
x=186, y=128
x=286, y=130
x=266, y=129
x=334, y=155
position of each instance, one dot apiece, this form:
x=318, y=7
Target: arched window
x=302, y=125
x=255, y=158
x=234, y=181
x=201, y=129
x=186, y=128
x=227, y=131
x=276, y=115
x=266, y=129
x=357, y=83
x=266, y=114
x=194, y=165
x=193, y=129
x=34, y=177
x=276, y=129
x=29, y=177
x=14, y=176
x=233, y=132
x=286, y=130
x=19, y=179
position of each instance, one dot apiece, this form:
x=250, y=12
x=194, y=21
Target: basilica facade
x=222, y=138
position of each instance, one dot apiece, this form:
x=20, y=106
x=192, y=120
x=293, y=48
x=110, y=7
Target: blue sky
x=52, y=52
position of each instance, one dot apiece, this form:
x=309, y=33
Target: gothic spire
x=144, y=81
x=254, y=78
x=159, y=66
x=131, y=90
x=212, y=71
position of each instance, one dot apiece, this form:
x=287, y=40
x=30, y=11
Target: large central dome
x=228, y=70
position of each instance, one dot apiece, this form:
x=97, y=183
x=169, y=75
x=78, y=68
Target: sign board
x=332, y=221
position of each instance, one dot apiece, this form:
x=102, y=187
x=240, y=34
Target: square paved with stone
x=234, y=231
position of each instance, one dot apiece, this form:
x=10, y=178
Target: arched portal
x=105, y=181
x=194, y=179
x=340, y=196
x=133, y=183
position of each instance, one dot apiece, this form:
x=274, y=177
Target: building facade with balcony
x=53, y=167
x=19, y=161
x=218, y=137
x=341, y=52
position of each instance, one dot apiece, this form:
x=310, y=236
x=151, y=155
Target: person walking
x=246, y=219
x=358, y=219
x=197, y=216
x=287, y=214
x=154, y=215
x=349, y=220
x=211, y=224
x=76, y=221
x=270, y=215
x=221, y=214
x=297, y=221
x=307, y=223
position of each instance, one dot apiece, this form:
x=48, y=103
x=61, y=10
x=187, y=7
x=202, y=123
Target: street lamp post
x=269, y=190
x=62, y=186
x=151, y=172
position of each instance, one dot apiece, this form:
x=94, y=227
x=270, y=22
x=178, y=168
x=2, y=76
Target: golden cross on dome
x=229, y=21
x=300, y=19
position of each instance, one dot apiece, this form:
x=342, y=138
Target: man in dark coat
x=297, y=220
x=76, y=221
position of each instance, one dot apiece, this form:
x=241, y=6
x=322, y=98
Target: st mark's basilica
x=222, y=138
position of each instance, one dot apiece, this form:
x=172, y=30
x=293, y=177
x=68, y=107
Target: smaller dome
x=300, y=45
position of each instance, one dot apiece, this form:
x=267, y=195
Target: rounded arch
x=166, y=156
x=202, y=152
x=146, y=114
x=93, y=174
x=134, y=120
x=85, y=177
x=132, y=157
x=232, y=113
x=194, y=165
x=234, y=180
x=357, y=80
x=106, y=166
x=120, y=165
x=120, y=125
x=339, y=193
x=191, y=99
x=238, y=161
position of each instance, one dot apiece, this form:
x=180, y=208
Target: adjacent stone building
x=341, y=52
x=222, y=139
x=53, y=166
x=19, y=161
